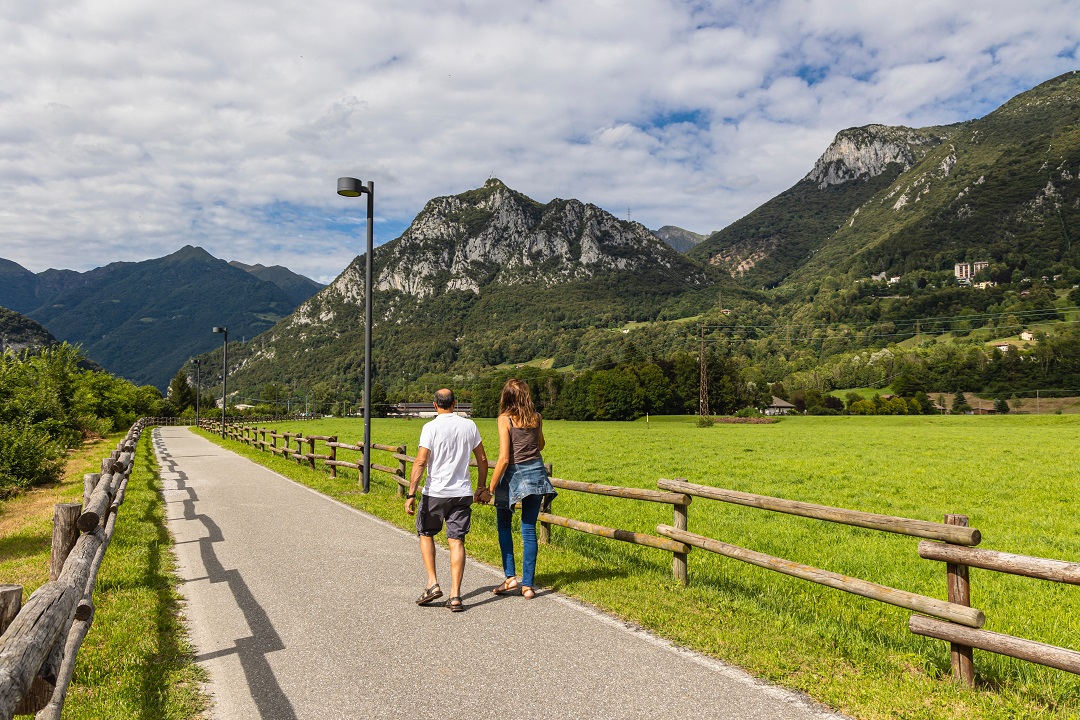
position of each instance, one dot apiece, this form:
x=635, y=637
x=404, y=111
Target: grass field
x=1014, y=477
x=135, y=661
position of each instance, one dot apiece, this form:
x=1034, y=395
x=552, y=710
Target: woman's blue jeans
x=530, y=508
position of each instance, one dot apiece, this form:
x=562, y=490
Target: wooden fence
x=184, y=421
x=951, y=541
x=39, y=643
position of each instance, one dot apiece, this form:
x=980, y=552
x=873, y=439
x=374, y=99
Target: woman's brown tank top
x=524, y=443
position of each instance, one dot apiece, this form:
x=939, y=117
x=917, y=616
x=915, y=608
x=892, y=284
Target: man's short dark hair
x=444, y=399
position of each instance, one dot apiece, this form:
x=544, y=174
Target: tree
x=181, y=395
x=1001, y=406
x=960, y=403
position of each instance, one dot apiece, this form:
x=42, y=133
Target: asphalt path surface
x=302, y=607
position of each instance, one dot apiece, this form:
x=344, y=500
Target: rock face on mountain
x=473, y=270
x=866, y=152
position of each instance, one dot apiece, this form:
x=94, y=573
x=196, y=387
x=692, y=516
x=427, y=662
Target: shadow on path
x=251, y=651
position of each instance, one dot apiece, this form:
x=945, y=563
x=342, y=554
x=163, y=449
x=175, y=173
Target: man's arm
x=414, y=479
x=481, y=470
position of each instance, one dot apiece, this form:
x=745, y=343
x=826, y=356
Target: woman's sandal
x=527, y=592
x=455, y=604
x=432, y=593
x=506, y=587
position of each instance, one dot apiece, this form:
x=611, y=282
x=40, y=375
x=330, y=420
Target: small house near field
x=427, y=410
x=779, y=407
x=1027, y=336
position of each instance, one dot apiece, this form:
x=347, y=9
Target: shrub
x=28, y=457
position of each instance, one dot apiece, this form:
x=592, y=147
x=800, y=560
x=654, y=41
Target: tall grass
x=1013, y=476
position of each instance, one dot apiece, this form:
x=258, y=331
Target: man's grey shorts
x=456, y=512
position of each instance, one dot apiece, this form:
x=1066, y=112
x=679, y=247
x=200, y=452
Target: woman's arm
x=540, y=440
x=504, y=453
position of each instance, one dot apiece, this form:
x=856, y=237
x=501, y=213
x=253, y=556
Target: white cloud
x=128, y=129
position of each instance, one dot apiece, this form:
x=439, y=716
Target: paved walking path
x=302, y=607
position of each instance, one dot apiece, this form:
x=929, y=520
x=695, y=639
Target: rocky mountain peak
x=864, y=152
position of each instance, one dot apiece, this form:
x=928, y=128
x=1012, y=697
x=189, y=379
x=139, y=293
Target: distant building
x=426, y=410
x=779, y=407
x=1003, y=346
x=1027, y=336
x=985, y=284
x=966, y=271
x=894, y=279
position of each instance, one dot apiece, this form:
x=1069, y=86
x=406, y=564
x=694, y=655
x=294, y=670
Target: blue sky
x=130, y=129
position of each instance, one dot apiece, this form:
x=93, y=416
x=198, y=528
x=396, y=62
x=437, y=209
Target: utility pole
x=703, y=394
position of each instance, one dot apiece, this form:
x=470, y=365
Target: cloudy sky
x=131, y=128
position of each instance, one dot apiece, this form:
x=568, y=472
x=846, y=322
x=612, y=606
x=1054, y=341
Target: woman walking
x=519, y=477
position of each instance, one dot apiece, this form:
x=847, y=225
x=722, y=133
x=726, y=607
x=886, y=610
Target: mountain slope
x=18, y=332
x=481, y=278
x=143, y=320
x=773, y=241
x=297, y=287
x=1004, y=188
x=679, y=239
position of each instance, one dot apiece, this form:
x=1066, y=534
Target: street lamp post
x=198, y=389
x=224, y=373
x=351, y=187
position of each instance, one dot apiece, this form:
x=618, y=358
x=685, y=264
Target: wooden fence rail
x=959, y=623
x=39, y=643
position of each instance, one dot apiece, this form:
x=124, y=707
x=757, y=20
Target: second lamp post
x=351, y=187
x=224, y=374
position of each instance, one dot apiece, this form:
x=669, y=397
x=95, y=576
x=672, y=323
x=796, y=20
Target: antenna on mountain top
x=628, y=213
x=491, y=175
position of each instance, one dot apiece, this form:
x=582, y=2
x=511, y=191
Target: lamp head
x=350, y=187
x=220, y=330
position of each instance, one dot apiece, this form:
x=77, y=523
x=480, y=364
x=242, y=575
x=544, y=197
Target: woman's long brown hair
x=516, y=401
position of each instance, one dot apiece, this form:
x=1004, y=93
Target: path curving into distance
x=302, y=607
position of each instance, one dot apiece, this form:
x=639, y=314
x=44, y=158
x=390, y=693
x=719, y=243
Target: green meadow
x=1013, y=476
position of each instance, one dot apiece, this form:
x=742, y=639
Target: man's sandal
x=506, y=587
x=527, y=592
x=432, y=593
x=455, y=604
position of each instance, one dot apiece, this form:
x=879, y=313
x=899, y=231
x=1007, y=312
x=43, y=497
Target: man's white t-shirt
x=450, y=440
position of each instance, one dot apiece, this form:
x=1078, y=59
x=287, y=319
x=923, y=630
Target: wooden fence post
x=65, y=535
x=10, y=602
x=963, y=665
x=543, y=534
x=90, y=481
x=333, y=456
x=403, y=468
x=678, y=562
x=311, y=452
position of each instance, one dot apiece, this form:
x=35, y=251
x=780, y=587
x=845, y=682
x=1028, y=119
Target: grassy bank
x=1012, y=475
x=135, y=661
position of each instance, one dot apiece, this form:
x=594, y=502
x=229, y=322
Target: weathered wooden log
x=1030, y=650
x=680, y=522
x=622, y=492
x=30, y=638
x=882, y=593
x=1034, y=567
x=402, y=471
x=98, y=505
x=614, y=534
x=65, y=534
x=874, y=521
x=55, y=705
x=90, y=481
x=543, y=530
x=85, y=607
x=10, y=602
x=959, y=592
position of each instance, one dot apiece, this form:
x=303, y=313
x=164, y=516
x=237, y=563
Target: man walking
x=445, y=445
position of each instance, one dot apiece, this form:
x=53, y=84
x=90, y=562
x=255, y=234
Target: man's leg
x=457, y=564
x=427, y=552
